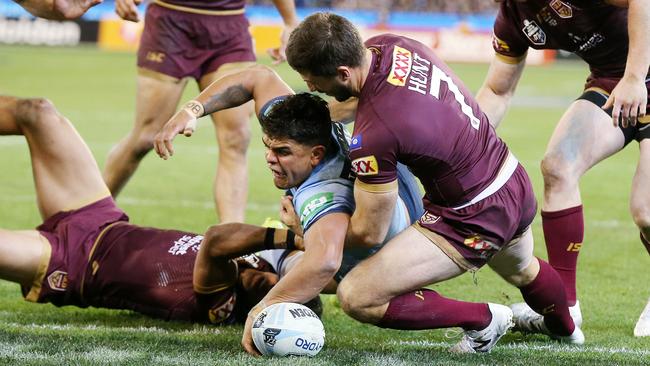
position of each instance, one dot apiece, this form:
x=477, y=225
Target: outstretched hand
x=128, y=9
x=247, y=337
x=629, y=100
x=73, y=9
x=182, y=122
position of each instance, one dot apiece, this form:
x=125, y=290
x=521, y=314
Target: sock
x=426, y=309
x=564, y=232
x=545, y=295
x=645, y=242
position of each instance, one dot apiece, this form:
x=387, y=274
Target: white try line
x=551, y=347
x=202, y=330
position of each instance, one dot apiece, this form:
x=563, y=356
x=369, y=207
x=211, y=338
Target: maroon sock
x=545, y=296
x=645, y=242
x=564, y=231
x=426, y=309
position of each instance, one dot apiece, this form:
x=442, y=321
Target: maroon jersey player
x=86, y=253
x=479, y=203
x=202, y=40
x=613, y=37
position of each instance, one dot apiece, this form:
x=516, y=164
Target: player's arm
x=343, y=112
x=630, y=96
x=221, y=243
x=57, y=9
x=497, y=90
x=374, y=209
x=259, y=83
x=287, y=10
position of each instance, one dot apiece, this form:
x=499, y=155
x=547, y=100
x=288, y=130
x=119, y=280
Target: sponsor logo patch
x=366, y=165
x=399, y=71
x=500, y=45
x=313, y=204
x=157, y=57
x=356, y=142
x=221, y=313
x=534, y=33
x=479, y=244
x=562, y=9
x=58, y=280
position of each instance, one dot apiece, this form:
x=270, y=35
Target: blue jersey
x=330, y=189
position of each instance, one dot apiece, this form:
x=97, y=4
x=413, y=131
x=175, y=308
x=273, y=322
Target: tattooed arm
x=258, y=83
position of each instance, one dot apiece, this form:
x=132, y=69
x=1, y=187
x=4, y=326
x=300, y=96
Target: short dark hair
x=323, y=42
x=304, y=118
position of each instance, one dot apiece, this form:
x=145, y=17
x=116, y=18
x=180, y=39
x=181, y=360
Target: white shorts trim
x=505, y=172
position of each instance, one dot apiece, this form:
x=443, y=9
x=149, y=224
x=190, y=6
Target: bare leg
x=233, y=136
x=640, y=196
x=157, y=98
x=66, y=175
x=20, y=255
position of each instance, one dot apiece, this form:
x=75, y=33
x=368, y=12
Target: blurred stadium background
x=87, y=68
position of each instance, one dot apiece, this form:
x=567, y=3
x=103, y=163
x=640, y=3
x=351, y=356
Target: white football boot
x=642, y=328
x=483, y=340
x=528, y=321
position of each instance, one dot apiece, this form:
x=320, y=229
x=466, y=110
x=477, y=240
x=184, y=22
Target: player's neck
x=364, y=71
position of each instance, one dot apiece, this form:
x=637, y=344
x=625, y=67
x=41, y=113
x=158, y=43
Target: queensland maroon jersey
x=592, y=29
x=212, y=5
x=414, y=110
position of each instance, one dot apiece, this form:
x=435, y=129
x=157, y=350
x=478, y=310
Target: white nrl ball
x=288, y=329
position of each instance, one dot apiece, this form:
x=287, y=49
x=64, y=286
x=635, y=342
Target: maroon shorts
x=181, y=44
x=71, y=235
x=597, y=90
x=472, y=235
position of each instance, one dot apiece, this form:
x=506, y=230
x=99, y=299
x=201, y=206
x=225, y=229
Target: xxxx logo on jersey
x=402, y=61
x=366, y=165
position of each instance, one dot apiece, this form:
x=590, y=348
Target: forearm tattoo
x=233, y=96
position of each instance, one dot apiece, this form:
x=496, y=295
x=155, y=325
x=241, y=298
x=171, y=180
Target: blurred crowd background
x=440, y=6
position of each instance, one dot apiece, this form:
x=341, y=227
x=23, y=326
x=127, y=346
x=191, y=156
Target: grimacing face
x=290, y=163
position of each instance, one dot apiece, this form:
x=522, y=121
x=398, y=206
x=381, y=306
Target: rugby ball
x=288, y=329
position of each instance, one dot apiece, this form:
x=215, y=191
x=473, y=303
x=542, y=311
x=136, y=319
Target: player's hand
x=182, y=122
x=128, y=9
x=288, y=215
x=629, y=100
x=73, y=9
x=278, y=54
x=247, y=337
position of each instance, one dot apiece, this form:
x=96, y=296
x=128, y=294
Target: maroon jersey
x=210, y=5
x=415, y=111
x=592, y=29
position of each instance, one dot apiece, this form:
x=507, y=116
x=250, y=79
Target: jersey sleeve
x=318, y=200
x=507, y=40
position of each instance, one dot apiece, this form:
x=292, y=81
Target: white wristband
x=195, y=108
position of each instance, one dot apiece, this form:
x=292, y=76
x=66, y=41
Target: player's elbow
x=217, y=240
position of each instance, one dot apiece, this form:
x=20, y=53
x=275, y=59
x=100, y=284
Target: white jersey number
x=437, y=76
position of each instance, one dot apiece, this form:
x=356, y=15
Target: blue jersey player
x=307, y=155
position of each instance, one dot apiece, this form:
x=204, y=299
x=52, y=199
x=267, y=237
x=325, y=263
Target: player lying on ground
x=87, y=254
x=613, y=37
x=307, y=155
x=478, y=201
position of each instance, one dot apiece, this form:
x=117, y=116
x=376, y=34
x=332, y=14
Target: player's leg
x=583, y=137
x=20, y=255
x=640, y=208
x=233, y=134
x=156, y=101
x=541, y=288
x=66, y=175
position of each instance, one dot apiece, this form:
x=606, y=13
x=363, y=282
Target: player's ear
x=343, y=73
x=317, y=154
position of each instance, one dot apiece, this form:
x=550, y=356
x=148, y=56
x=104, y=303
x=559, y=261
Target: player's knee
x=556, y=171
x=233, y=143
x=641, y=216
x=36, y=112
x=353, y=303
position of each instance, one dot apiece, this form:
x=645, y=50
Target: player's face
x=331, y=86
x=290, y=162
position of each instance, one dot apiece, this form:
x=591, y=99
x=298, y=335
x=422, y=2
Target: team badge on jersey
x=356, y=142
x=428, y=218
x=562, y=9
x=366, y=165
x=534, y=33
x=221, y=313
x=58, y=280
x=399, y=71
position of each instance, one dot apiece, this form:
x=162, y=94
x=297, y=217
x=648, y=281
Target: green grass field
x=96, y=91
